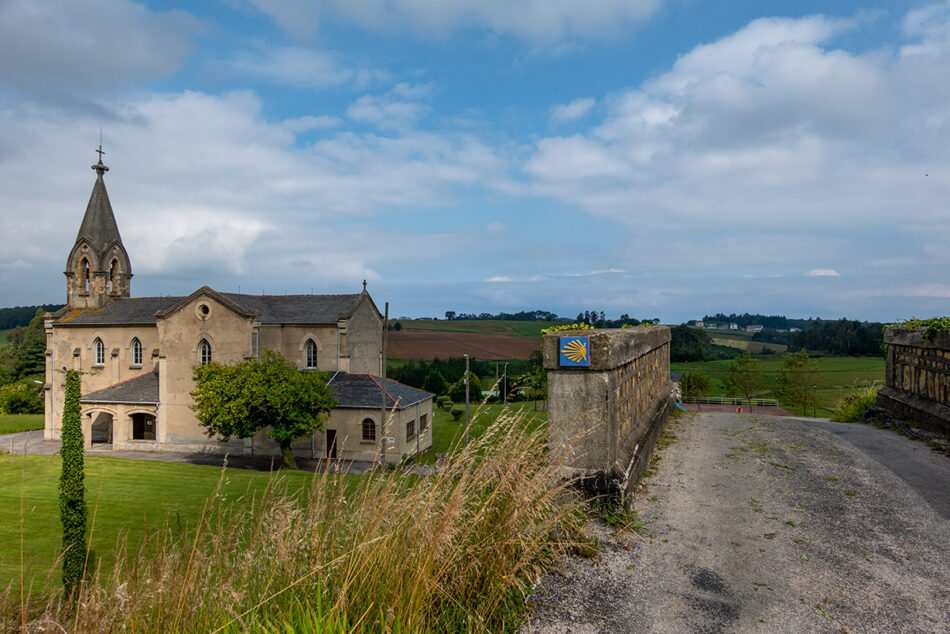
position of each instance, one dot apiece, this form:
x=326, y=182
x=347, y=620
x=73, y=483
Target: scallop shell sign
x=574, y=352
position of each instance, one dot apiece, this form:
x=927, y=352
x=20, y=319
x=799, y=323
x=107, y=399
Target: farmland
x=838, y=377
x=530, y=329
x=743, y=341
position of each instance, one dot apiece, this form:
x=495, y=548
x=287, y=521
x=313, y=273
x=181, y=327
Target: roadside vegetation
x=12, y=423
x=389, y=551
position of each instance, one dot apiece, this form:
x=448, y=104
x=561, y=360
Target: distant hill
x=21, y=315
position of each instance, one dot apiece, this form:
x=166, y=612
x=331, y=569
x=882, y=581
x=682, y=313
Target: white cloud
x=59, y=47
x=822, y=273
x=392, y=110
x=206, y=186
x=293, y=66
x=533, y=20
x=760, y=145
x=499, y=278
x=565, y=113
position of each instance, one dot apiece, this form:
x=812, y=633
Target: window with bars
x=369, y=430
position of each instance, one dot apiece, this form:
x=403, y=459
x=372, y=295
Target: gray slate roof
x=298, y=309
x=99, y=227
x=122, y=312
x=141, y=390
x=364, y=391
x=273, y=309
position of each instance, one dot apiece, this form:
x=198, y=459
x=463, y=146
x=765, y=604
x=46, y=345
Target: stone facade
x=136, y=355
x=917, y=379
x=608, y=415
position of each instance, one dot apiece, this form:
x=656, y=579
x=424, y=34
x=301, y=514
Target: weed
x=781, y=466
x=851, y=494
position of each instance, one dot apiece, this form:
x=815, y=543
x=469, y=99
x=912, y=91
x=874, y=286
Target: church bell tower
x=98, y=268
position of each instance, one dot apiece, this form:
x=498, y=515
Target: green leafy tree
x=798, y=380
x=688, y=344
x=25, y=353
x=695, y=384
x=268, y=393
x=744, y=377
x=21, y=398
x=457, y=391
x=435, y=383
x=72, y=503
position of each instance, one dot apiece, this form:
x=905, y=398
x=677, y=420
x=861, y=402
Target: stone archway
x=102, y=429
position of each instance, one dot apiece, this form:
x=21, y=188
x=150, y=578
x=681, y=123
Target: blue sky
x=661, y=158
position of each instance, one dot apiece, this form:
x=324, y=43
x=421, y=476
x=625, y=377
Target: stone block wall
x=917, y=379
x=608, y=415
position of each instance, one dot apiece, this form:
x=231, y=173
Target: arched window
x=113, y=274
x=100, y=350
x=84, y=272
x=369, y=430
x=136, y=351
x=204, y=352
x=311, y=355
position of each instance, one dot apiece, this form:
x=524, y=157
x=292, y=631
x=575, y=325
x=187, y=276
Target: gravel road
x=770, y=524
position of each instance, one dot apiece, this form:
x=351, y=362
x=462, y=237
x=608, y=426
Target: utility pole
x=382, y=372
x=504, y=398
x=466, y=400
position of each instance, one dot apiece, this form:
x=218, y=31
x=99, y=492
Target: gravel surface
x=771, y=524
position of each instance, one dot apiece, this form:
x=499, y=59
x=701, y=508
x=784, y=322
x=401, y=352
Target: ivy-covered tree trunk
x=287, y=455
x=72, y=504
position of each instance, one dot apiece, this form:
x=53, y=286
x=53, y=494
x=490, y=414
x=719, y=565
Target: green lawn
x=12, y=423
x=527, y=329
x=123, y=495
x=446, y=433
x=838, y=377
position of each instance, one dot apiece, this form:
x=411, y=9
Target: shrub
x=851, y=409
x=20, y=398
x=444, y=402
x=72, y=489
x=457, y=413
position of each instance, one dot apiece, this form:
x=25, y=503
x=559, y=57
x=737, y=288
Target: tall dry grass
x=392, y=551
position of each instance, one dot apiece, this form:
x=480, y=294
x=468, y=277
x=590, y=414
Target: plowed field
x=426, y=345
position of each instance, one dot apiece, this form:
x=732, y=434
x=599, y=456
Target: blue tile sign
x=575, y=352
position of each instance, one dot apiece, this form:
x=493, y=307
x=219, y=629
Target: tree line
x=23, y=366
x=843, y=337
x=525, y=315
x=776, y=322
x=21, y=315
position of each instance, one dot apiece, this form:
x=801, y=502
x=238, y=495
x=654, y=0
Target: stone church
x=136, y=356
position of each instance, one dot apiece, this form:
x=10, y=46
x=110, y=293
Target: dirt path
x=768, y=524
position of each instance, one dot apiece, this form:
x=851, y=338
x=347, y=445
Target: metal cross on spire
x=100, y=167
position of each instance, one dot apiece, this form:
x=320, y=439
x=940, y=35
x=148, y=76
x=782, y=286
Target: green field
x=528, y=329
x=128, y=495
x=124, y=495
x=446, y=433
x=12, y=423
x=838, y=377
x=742, y=340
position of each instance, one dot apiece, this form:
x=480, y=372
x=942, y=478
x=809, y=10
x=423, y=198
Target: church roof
x=140, y=390
x=272, y=309
x=121, y=312
x=99, y=227
x=298, y=309
x=364, y=391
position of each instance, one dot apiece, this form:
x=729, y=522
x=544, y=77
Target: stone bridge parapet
x=917, y=379
x=609, y=392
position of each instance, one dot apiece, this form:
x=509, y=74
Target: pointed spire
x=99, y=227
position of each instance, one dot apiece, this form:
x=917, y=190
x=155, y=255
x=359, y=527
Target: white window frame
x=204, y=352
x=99, y=350
x=136, y=351
x=310, y=355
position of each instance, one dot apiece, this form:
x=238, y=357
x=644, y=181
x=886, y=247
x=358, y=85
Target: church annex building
x=136, y=357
